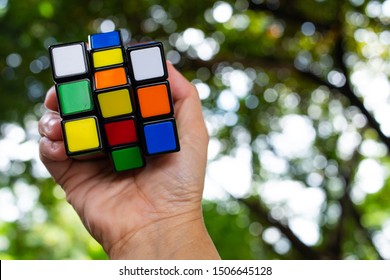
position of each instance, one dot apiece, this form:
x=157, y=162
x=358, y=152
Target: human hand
x=150, y=213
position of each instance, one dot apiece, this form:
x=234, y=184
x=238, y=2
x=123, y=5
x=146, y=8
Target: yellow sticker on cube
x=107, y=57
x=82, y=135
x=115, y=103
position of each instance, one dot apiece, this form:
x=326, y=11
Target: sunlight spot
x=370, y=176
x=374, y=9
x=222, y=12
x=9, y=212
x=107, y=25
x=14, y=60
x=271, y=235
x=307, y=231
x=336, y=78
x=347, y=144
x=308, y=29
x=192, y=36
x=296, y=138
x=203, y=90
x=233, y=174
x=272, y=163
x=228, y=101
x=386, y=8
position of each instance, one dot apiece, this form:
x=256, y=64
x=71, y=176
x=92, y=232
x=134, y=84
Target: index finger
x=51, y=99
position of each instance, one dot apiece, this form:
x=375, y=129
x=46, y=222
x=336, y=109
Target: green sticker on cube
x=75, y=97
x=127, y=158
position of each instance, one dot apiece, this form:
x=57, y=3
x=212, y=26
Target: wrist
x=178, y=237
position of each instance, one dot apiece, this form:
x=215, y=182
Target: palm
x=168, y=186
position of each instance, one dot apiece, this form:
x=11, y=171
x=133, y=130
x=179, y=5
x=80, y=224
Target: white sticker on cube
x=69, y=61
x=147, y=63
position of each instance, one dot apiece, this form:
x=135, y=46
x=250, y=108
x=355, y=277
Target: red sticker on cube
x=121, y=132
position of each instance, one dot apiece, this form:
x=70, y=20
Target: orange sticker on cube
x=154, y=100
x=110, y=78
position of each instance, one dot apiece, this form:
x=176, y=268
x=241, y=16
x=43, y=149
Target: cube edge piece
x=118, y=120
x=92, y=44
x=121, y=148
x=108, y=66
x=79, y=113
x=65, y=78
x=86, y=153
x=156, y=117
x=99, y=72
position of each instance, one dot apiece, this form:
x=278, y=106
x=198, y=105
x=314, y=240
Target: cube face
x=110, y=78
x=161, y=137
x=75, y=97
x=82, y=135
x=115, y=103
x=127, y=158
x=106, y=58
x=69, y=60
x=106, y=114
x=147, y=63
x=121, y=132
x=105, y=40
x=154, y=100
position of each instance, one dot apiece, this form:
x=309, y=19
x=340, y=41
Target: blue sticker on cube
x=105, y=40
x=160, y=137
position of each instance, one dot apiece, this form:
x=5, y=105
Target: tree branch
x=263, y=216
x=353, y=100
x=271, y=61
x=350, y=207
x=287, y=14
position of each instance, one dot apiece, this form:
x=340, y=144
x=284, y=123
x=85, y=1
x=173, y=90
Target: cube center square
x=82, y=134
x=154, y=100
x=106, y=58
x=121, y=132
x=161, y=137
x=105, y=40
x=127, y=158
x=69, y=60
x=75, y=97
x=110, y=78
x=147, y=63
x=115, y=103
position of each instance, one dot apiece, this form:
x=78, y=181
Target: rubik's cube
x=114, y=100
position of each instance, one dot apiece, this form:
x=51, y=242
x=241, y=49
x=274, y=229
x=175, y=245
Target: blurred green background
x=296, y=98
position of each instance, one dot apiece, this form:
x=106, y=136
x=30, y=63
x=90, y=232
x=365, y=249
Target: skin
x=151, y=213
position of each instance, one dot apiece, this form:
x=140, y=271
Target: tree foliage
x=296, y=99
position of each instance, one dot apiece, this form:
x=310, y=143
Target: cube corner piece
x=147, y=63
x=160, y=137
x=127, y=158
x=69, y=61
